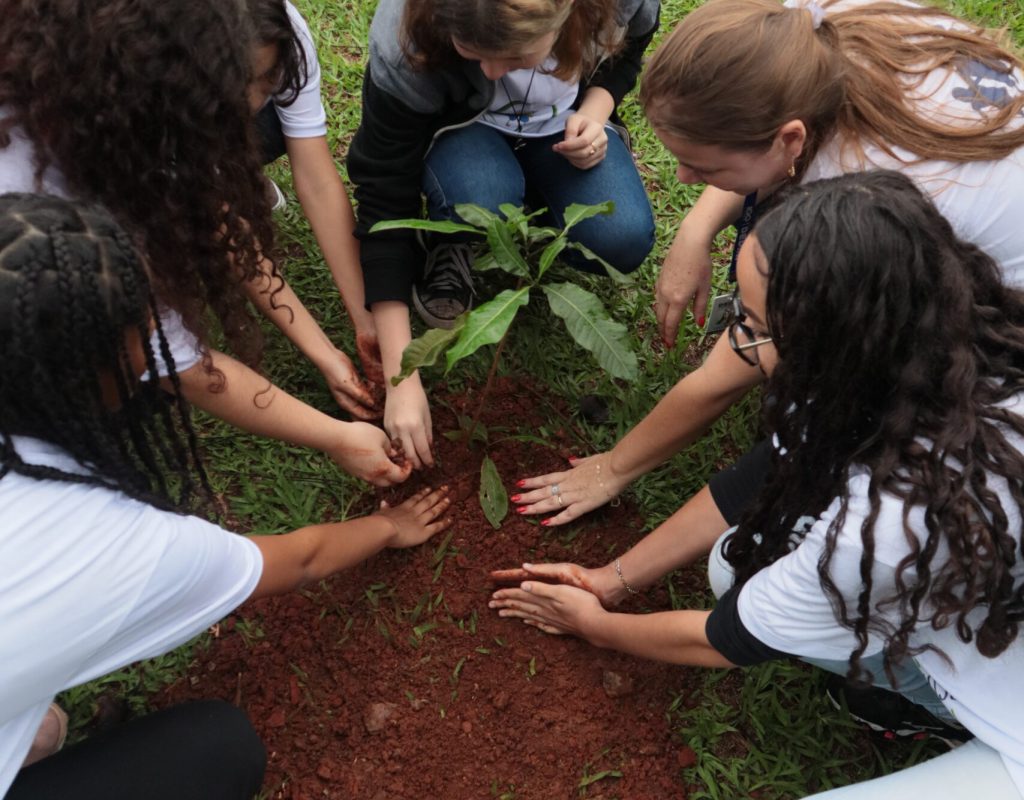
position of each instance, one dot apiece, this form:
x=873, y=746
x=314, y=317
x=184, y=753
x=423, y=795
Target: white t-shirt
x=305, y=118
x=784, y=607
x=93, y=580
x=981, y=199
x=18, y=174
x=530, y=102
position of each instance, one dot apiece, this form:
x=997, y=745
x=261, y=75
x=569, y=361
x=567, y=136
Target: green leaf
x=542, y=234
x=613, y=273
x=590, y=325
x=577, y=212
x=550, y=253
x=493, y=497
x=437, y=226
x=599, y=776
x=479, y=218
x=518, y=218
x=424, y=351
x=485, y=261
x=487, y=323
x=506, y=253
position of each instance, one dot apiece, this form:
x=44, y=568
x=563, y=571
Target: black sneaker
x=892, y=715
x=447, y=286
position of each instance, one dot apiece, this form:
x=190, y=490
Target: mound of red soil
x=396, y=681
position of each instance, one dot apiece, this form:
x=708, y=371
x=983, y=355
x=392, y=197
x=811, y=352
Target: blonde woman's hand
x=685, y=280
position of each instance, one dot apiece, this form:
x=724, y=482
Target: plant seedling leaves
x=547, y=258
x=615, y=275
x=506, y=253
x=518, y=218
x=424, y=351
x=493, y=497
x=435, y=225
x=485, y=261
x=486, y=324
x=542, y=234
x=479, y=218
x=589, y=324
x=577, y=212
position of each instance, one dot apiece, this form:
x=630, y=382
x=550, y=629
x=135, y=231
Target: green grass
x=766, y=732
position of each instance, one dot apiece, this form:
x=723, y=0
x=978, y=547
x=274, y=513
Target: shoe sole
x=427, y=317
x=896, y=733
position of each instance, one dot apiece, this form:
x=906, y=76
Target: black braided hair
x=899, y=348
x=76, y=311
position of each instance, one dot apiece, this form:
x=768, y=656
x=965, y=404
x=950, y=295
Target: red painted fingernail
x=521, y=510
x=515, y=498
x=521, y=483
x=545, y=522
x=700, y=322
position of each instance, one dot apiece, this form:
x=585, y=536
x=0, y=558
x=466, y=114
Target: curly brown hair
x=141, y=106
x=901, y=358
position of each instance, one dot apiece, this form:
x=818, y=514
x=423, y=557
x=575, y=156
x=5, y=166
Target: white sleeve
x=305, y=118
x=185, y=349
x=785, y=607
x=202, y=574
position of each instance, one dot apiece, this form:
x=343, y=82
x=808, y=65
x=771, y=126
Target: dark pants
x=203, y=750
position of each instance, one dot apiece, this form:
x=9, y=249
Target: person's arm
x=310, y=554
x=406, y=411
x=676, y=421
x=677, y=637
x=326, y=205
x=278, y=302
x=680, y=540
x=685, y=275
x=249, y=401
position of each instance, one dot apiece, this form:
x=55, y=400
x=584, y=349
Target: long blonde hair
x=735, y=71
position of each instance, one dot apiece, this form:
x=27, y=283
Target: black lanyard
x=743, y=226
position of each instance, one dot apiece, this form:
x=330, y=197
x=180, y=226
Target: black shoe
x=893, y=715
x=447, y=286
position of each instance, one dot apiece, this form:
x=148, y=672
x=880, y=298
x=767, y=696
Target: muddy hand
x=348, y=388
x=554, y=608
x=366, y=452
x=590, y=483
x=419, y=517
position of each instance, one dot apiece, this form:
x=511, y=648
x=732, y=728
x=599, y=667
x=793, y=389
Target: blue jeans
x=478, y=164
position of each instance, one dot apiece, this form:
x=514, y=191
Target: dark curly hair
x=900, y=349
x=73, y=294
x=141, y=106
x=273, y=27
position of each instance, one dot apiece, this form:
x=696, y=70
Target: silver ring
x=555, y=489
x=561, y=502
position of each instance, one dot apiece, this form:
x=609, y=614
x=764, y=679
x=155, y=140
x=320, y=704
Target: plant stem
x=487, y=389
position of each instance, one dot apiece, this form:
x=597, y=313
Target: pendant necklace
x=518, y=116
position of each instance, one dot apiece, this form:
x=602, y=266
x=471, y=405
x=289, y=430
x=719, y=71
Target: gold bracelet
x=626, y=586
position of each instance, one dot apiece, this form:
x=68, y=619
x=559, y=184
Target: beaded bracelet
x=626, y=586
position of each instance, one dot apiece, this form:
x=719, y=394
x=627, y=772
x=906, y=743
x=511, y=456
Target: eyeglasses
x=741, y=336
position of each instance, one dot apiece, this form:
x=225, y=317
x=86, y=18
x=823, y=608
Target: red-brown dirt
x=394, y=680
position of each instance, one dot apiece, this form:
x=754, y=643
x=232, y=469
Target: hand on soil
x=407, y=419
x=366, y=452
x=588, y=484
x=348, y=388
x=418, y=518
x=602, y=582
x=368, y=349
x=554, y=608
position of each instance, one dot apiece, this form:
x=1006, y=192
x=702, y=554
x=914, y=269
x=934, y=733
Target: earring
x=791, y=172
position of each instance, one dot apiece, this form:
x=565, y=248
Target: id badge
x=720, y=316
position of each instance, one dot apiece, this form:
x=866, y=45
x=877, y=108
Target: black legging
x=205, y=750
